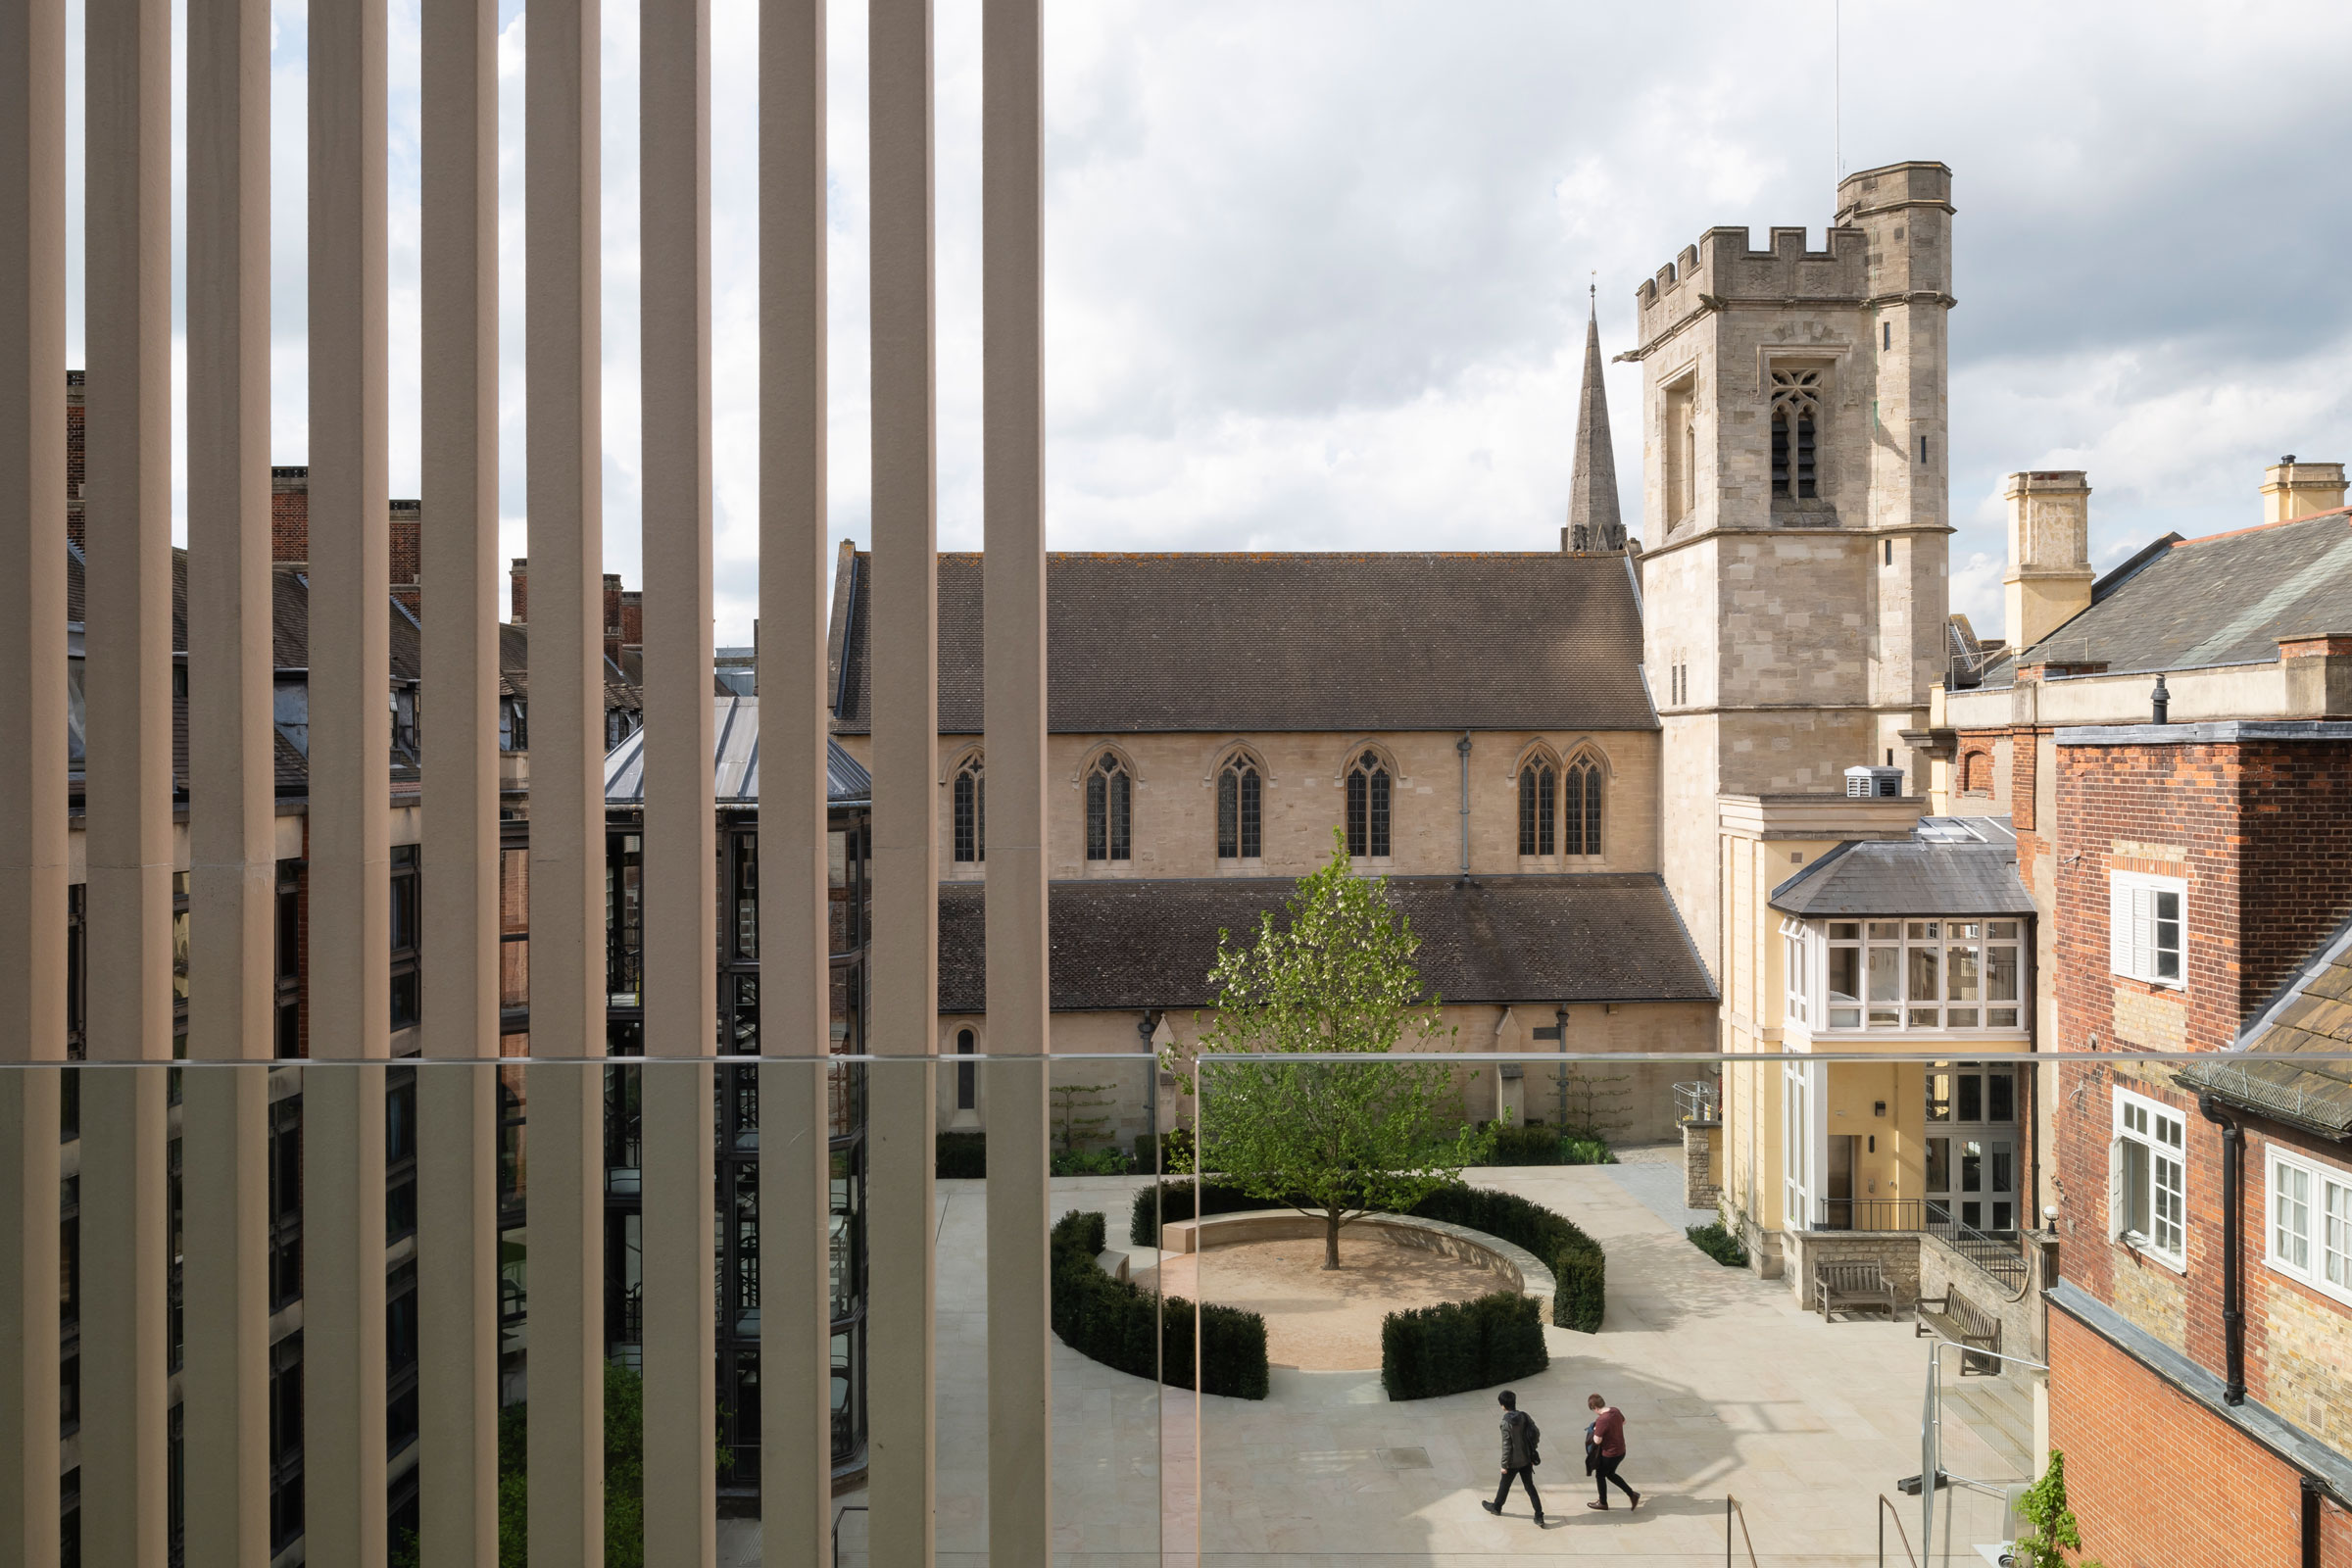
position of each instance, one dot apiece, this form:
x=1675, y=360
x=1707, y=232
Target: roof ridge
x=2264, y=527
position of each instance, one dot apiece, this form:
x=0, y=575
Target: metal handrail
x=1869, y=1216
x=845, y=1508
x=1887, y=1511
x=1698, y=1101
x=2003, y=1260
x=1731, y=1506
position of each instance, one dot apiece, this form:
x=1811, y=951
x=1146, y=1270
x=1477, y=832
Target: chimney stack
x=2049, y=553
x=612, y=637
x=2293, y=489
x=632, y=617
x=408, y=519
x=520, y=575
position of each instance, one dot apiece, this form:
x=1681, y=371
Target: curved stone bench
x=1516, y=1267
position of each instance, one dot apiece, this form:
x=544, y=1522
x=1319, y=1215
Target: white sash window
x=2147, y=1179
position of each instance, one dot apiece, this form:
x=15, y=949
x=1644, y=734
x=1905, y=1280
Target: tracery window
x=1108, y=798
x=1796, y=412
x=970, y=809
x=1368, y=794
x=1240, y=797
x=1539, y=808
x=1584, y=793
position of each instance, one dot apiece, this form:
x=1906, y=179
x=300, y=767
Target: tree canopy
x=1334, y=975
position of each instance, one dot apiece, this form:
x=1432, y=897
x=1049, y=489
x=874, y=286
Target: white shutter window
x=2144, y=927
x=2118, y=927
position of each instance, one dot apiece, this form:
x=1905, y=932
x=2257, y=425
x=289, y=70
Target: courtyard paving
x=1727, y=1388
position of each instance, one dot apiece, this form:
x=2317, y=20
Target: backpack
x=1535, y=1436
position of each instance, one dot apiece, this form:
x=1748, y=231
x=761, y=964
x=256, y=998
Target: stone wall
x=1897, y=1252
x=1942, y=1270
x=1703, y=1181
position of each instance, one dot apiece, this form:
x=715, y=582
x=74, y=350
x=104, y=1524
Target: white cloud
x=1316, y=270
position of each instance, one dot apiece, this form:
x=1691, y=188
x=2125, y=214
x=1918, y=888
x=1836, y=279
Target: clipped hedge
x=1577, y=1263
x=1575, y=1258
x=1718, y=1244
x=1525, y=1143
x=1113, y=1321
x=961, y=1155
x=1173, y=1199
x=1456, y=1346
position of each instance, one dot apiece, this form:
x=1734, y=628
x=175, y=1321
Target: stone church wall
x=1174, y=821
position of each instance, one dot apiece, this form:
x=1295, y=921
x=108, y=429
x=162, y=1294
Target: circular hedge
x=1579, y=1268
x=1117, y=1323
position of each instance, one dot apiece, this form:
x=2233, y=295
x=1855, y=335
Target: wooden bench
x=1958, y=1319
x=1851, y=1283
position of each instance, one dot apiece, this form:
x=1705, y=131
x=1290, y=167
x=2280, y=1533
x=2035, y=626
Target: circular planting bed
x=1326, y=1320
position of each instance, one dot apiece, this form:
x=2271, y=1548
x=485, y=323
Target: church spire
x=1593, y=523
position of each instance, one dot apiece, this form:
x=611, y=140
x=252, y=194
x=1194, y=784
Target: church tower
x=1795, y=506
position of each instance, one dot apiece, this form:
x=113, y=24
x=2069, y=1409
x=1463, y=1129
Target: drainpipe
x=1461, y=749
x=2233, y=1201
x=2311, y=1523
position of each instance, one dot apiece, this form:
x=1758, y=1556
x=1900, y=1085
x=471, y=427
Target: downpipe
x=1461, y=749
x=2234, y=1203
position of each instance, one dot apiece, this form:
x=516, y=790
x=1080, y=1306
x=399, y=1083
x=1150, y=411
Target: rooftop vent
x=1880, y=783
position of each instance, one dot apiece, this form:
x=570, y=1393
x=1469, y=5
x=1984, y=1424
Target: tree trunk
x=1331, y=1238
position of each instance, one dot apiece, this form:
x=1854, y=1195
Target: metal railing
x=1887, y=1512
x=2004, y=1260
x=1869, y=1214
x=1701, y=1101
x=1732, y=1510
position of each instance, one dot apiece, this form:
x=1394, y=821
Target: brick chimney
x=290, y=516
x=519, y=574
x=612, y=597
x=407, y=527
x=75, y=467
x=632, y=617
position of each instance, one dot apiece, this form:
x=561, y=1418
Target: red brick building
x=2201, y=1334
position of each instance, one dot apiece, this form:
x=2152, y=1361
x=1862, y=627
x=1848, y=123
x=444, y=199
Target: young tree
x=1334, y=1139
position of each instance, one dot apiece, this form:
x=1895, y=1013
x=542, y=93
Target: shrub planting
x=1089, y=1162
x=1585, y=1152
x=1173, y=1201
x=1113, y=1322
x=1718, y=1244
x=1458, y=1346
x=961, y=1154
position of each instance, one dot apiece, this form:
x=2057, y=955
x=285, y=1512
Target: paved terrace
x=1725, y=1384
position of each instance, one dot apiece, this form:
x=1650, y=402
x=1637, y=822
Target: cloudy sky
x=1316, y=272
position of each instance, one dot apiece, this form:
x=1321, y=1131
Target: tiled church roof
x=1120, y=945
x=1267, y=643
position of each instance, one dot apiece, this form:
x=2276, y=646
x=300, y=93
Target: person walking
x=1605, y=1452
x=1520, y=1454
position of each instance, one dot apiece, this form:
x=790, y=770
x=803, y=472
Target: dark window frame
x=1371, y=794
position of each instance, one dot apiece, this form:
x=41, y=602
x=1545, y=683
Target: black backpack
x=1535, y=1436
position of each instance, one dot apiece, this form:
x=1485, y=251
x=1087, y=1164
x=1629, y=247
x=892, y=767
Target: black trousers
x=1527, y=1475
x=1604, y=1471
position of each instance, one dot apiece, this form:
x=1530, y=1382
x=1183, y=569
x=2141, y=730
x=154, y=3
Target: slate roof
x=1950, y=866
x=2311, y=1016
x=1266, y=643
x=2226, y=599
x=1120, y=944
x=735, y=758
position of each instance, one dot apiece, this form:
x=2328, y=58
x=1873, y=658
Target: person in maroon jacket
x=1605, y=1452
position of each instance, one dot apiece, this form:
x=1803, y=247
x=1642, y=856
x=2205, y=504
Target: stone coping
x=1518, y=1267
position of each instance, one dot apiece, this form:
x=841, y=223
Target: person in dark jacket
x=1605, y=1452
x=1520, y=1457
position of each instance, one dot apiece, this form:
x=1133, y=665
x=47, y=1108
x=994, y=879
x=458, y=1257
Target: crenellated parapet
x=1722, y=267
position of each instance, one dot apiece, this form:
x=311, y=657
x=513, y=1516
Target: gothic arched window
x=1368, y=790
x=1583, y=791
x=1537, y=808
x=1240, y=791
x=1796, y=410
x=1107, y=801
x=967, y=1073
x=970, y=806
